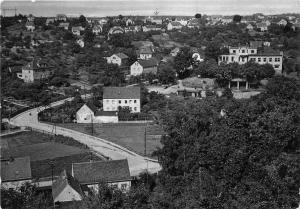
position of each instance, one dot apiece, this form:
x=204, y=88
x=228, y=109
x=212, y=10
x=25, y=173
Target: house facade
x=66, y=189
x=245, y=54
x=282, y=22
x=64, y=25
x=15, y=172
x=35, y=71
x=30, y=26
x=76, y=30
x=118, y=59
x=97, y=29
x=145, y=53
x=88, y=113
x=174, y=25
x=125, y=97
x=113, y=172
x=262, y=27
x=143, y=67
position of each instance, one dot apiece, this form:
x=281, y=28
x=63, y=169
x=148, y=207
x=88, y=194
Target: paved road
x=137, y=163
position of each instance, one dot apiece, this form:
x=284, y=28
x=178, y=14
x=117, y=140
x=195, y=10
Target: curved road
x=137, y=163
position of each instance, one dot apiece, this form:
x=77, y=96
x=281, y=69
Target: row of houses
x=74, y=185
x=244, y=54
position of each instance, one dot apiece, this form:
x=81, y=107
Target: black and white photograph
x=150, y=104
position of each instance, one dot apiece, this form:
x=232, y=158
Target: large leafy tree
x=182, y=62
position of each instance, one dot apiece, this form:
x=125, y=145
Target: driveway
x=137, y=163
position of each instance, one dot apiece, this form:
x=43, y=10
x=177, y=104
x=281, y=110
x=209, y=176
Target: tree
x=166, y=73
x=89, y=36
x=237, y=18
x=198, y=16
x=212, y=51
x=182, y=62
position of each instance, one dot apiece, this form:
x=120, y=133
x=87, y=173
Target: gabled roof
x=122, y=55
x=174, y=23
x=62, y=181
x=29, y=23
x=16, y=169
x=106, y=113
x=261, y=25
x=122, y=92
x=145, y=50
x=101, y=171
x=91, y=106
x=148, y=63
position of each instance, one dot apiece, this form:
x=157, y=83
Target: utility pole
x=145, y=141
x=92, y=125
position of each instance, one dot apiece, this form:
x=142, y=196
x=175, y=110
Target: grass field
x=45, y=150
x=131, y=136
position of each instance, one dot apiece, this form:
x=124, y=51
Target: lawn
x=131, y=136
x=45, y=150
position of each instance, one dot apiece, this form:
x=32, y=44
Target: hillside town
x=158, y=111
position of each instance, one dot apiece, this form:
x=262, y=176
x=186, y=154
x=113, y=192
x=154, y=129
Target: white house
x=282, y=22
x=50, y=20
x=80, y=42
x=262, y=26
x=64, y=25
x=174, y=25
x=144, y=67
x=15, y=172
x=129, y=22
x=66, y=189
x=250, y=27
x=245, y=54
x=115, y=97
x=119, y=59
x=61, y=17
x=35, y=70
x=30, y=26
x=77, y=30
x=145, y=52
x=97, y=29
x=113, y=172
x=88, y=113
x=148, y=28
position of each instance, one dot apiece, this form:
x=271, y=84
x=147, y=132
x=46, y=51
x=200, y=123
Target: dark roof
x=29, y=23
x=62, y=181
x=121, y=92
x=122, y=55
x=148, y=63
x=145, y=50
x=174, y=23
x=101, y=171
x=92, y=106
x=16, y=169
x=106, y=113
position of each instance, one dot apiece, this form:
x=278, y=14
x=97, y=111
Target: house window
x=232, y=58
x=270, y=59
x=259, y=59
x=119, y=101
x=276, y=66
x=277, y=59
x=123, y=186
x=135, y=101
x=135, y=108
x=265, y=59
x=125, y=101
x=243, y=51
x=252, y=51
x=130, y=101
x=233, y=51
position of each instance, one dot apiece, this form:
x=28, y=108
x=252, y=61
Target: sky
x=147, y=7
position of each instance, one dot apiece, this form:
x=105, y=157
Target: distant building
x=88, y=113
x=64, y=25
x=118, y=58
x=50, y=20
x=61, y=17
x=175, y=51
x=115, y=97
x=129, y=22
x=133, y=29
x=35, y=70
x=145, y=53
x=148, y=28
x=80, y=42
x=30, y=18
x=282, y=22
x=174, y=25
x=97, y=29
x=15, y=172
x=245, y=54
x=113, y=172
x=77, y=30
x=115, y=30
x=193, y=23
x=226, y=21
x=262, y=26
x=250, y=27
x=30, y=26
x=144, y=67
x=66, y=189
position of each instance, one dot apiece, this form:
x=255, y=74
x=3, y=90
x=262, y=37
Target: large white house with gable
x=115, y=97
